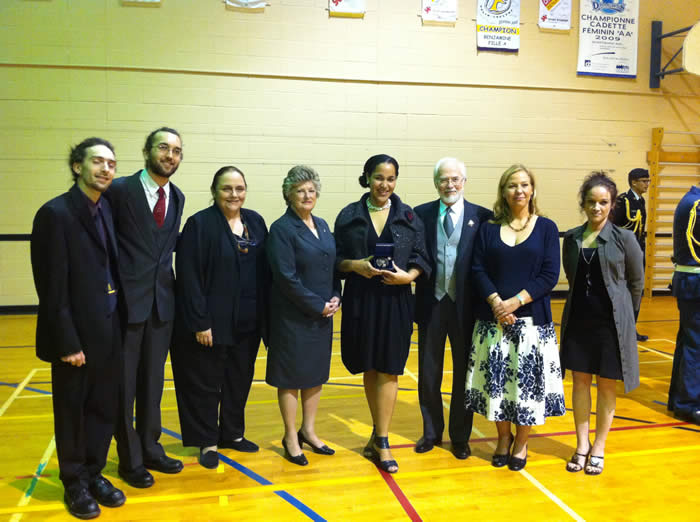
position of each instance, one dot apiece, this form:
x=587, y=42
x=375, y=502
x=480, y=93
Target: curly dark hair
x=77, y=153
x=372, y=164
x=597, y=178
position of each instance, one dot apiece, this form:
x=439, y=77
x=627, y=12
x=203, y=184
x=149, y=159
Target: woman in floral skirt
x=513, y=374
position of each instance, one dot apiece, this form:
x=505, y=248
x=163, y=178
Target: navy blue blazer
x=147, y=272
x=474, y=215
x=69, y=262
x=208, y=284
x=302, y=266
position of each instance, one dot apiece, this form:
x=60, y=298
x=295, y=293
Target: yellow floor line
x=16, y=393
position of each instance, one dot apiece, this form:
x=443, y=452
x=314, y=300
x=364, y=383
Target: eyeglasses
x=164, y=149
x=244, y=243
x=443, y=182
x=233, y=190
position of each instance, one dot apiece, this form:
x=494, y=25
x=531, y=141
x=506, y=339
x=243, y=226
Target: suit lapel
x=140, y=211
x=81, y=210
x=431, y=222
x=180, y=198
x=305, y=234
x=470, y=225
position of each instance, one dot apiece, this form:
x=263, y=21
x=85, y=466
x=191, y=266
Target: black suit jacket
x=208, y=274
x=147, y=272
x=474, y=215
x=69, y=263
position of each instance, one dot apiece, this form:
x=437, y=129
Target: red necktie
x=159, y=209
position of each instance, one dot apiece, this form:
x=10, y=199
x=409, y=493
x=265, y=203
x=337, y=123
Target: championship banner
x=498, y=25
x=439, y=12
x=248, y=6
x=607, y=42
x=555, y=15
x=347, y=8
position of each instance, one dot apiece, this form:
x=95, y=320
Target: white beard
x=451, y=199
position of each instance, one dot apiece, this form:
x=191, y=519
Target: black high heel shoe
x=384, y=465
x=498, y=460
x=516, y=464
x=322, y=450
x=299, y=460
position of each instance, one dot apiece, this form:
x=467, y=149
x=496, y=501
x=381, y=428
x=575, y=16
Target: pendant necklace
x=589, y=283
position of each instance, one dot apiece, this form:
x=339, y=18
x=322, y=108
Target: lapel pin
x=471, y=223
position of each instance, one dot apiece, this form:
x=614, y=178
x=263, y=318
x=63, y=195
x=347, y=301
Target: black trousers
x=85, y=405
x=445, y=320
x=145, y=351
x=212, y=384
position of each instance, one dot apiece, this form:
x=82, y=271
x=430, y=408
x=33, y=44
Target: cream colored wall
x=267, y=91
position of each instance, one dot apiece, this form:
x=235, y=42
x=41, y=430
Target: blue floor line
x=14, y=385
x=260, y=480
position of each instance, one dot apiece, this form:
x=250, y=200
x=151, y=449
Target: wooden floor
x=651, y=472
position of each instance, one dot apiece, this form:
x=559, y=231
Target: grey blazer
x=623, y=274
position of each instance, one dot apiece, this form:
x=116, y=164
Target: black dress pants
x=445, y=320
x=212, y=386
x=85, y=404
x=146, y=348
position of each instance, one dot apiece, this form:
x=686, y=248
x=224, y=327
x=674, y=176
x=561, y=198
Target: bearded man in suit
x=443, y=305
x=147, y=211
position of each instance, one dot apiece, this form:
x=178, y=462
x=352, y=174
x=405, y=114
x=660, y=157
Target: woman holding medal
x=604, y=266
x=222, y=280
x=513, y=373
x=380, y=250
x=304, y=296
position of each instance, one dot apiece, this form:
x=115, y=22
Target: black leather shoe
x=105, y=493
x=138, y=478
x=516, y=464
x=299, y=460
x=642, y=338
x=321, y=450
x=689, y=416
x=461, y=450
x=81, y=504
x=425, y=445
x=164, y=464
x=243, y=445
x=210, y=459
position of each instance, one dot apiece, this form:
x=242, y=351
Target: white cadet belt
x=688, y=269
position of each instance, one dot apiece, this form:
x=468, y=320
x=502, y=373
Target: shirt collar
x=151, y=186
x=636, y=196
x=92, y=206
x=457, y=207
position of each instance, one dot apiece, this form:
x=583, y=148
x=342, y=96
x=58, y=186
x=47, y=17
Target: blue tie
x=447, y=222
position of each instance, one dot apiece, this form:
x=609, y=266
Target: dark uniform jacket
x=631, y=213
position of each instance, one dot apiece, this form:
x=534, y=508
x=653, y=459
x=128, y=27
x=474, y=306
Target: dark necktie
x=159, y=209
x=447, y=223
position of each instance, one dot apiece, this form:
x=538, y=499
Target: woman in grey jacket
x=603, y=264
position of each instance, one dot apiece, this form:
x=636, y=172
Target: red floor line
x=398, y=493
x=560, y=433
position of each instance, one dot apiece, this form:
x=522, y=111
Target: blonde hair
x=501, y=210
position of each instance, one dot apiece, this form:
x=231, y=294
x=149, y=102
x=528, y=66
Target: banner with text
x=249, y=6
x=347, y=8
x=498, y=25
x=440, y=11
x=607, y=42
x=555, y=15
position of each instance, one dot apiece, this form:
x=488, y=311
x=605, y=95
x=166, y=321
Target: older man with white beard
x=444, y=305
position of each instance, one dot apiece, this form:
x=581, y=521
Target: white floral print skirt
x=513, y=372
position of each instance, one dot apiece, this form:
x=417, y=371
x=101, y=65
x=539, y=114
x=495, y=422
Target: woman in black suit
x=304, y=296
x=222, y=280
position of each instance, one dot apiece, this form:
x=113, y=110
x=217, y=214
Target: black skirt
x=590, y=343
